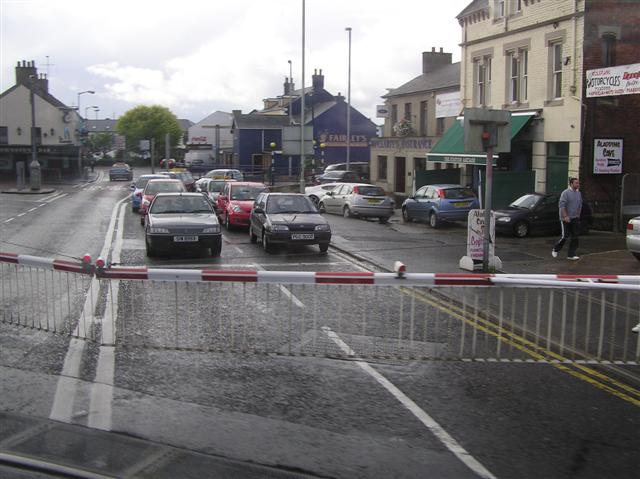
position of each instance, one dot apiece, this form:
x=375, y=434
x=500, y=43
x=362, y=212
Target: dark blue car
x=437, y=203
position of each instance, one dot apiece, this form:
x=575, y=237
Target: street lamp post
x=322, y=147
x=348, y=29
x=88, y=108
x=302, y=159
x=272, y=145
x=91, y=92
x=290, y=91
x=97, y=110
x=35, y=178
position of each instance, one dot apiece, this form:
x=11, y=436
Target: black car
x=338, y=176
x=287, y=218
x=536, y=213
x=178, y=220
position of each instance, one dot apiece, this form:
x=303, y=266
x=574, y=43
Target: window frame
x=556, y=74
x=482, y=83
x=383, y=167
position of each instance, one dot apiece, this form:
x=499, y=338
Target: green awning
x=450, y=148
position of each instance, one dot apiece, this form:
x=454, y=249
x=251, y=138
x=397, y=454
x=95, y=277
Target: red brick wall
x=615, y=117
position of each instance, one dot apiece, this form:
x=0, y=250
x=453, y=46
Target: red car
x=235, y=202
x=158, y=186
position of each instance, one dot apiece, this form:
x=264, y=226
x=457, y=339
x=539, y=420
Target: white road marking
x=100, y=406
x=285, y=291
x=33, y=209
x=62, y=195
x=10, y=219
x=68, y=382
x=443, y=436
x=22, y=214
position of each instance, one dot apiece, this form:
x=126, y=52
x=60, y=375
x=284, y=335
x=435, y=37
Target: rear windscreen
x=371, y=191
x=458, y=193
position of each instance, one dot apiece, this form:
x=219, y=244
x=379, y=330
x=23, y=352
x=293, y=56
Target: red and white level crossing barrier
x=84, y=267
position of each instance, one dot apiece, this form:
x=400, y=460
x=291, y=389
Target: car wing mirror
x=258, y=209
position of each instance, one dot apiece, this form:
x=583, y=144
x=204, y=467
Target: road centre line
x=284, y=290
x=57, y=197
x=22, y=214
x=33, y=209
x=9, y=220
x=438, y=431
x=68, y=381
x=564, y=364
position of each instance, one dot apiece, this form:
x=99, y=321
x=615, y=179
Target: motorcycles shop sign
x=612, y=81
x=607, y=156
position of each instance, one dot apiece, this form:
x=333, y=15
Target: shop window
x=382, y=167
x=394, y=118
x=439, y=126
x=419, y=164
x=407, y=111
x=4, y=135
x=423, y=117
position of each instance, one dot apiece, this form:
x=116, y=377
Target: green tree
x=100, y=142
x=149, y=122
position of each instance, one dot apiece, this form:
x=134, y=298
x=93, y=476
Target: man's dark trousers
x=570, y=231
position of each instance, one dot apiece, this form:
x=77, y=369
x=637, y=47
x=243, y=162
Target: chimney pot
x=440, y=49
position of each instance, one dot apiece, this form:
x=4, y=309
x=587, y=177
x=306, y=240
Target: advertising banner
x=611, y=81
x=475, y=235
x=448, y=104
x=607, y=156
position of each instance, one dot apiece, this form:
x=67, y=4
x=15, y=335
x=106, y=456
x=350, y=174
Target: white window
x=518, y=76
x=499, y=8
x=557, y=70
x=483, y=81
x=516, y=5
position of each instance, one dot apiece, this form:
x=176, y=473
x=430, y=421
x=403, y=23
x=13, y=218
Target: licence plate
x=461, y=204
x=302, y=236
x=374, y=202
x=185, y=239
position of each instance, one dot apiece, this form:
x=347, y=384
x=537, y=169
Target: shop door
x=557, y=166
x=401, y=173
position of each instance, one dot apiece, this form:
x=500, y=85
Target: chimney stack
x=317, y=80
x=433, y=60
x=26, y=73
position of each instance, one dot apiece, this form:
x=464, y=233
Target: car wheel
x=636, y=255
x=383, y=220
x=321, y=207
x=346, y=212
x=405, y=216
x=315, y=200
x=433, y=220
x=216, y=249
x=142, y=220
x=324, y=247
x=521, y=229
x=266, y=245
x=111, y=178
x=151, y=252
x=252, y=237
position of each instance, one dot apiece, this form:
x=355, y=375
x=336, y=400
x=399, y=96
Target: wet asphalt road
x=326, y=417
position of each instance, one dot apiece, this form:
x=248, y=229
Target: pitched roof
x=474, y=6
x=105, y=125
x=446, y=76
x=185, y=124
x=42, y=94
x=259, y=122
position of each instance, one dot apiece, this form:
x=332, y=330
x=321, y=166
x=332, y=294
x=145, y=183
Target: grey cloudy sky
x=196, y=56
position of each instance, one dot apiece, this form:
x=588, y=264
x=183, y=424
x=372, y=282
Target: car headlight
x=212, y=229
x=323, y=228
x=279, y=228
x=156, y=230
x=236, y=209
x=504, y=219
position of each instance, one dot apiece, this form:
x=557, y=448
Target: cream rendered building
x=526, y=56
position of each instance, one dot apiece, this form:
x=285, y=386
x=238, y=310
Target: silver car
x=633, y=237
x=359, y=199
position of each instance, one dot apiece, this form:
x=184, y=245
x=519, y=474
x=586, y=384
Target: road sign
x=291, y=140
x=145, y=145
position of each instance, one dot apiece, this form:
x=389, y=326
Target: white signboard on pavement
x=475, y=235
x=448, y=104
x=607, y=156
x=612, y=81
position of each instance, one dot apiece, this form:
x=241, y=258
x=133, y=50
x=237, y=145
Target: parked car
x=211, y=188
x=120, y=171
x=186, y=178
x=235, y=201
x=155, y=186
x=360, y=199
x=181, y=219
x=198, y=167
x=437, y=203
x=633, y=237
x=225, y=174
x=536, y=213
x=314, y=193
x=338, y=176
x=289, y=219
x=138, y=187
x=360, y=167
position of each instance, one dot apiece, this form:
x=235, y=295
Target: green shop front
x=513, y=174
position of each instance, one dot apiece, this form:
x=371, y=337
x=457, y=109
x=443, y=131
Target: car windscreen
x=163, y=187
x=290, y=204
x=458, y=193
x=371, y=191
x=180, y=204
x=526, y=201
x=216, y=186
x=246, y=193
x=142, y=182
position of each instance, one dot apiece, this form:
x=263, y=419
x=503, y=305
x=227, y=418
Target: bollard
x=35, y=176
x=20, y=176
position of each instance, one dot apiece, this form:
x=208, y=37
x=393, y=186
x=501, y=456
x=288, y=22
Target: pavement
x=46, y=188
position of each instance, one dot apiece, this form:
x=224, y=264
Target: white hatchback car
x=633, y=237
x=314, y=193
x=360, y=200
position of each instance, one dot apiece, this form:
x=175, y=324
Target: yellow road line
x=530, y=348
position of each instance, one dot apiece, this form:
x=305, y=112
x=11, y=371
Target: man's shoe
x=554, y=253
x=574, y=258
x=636, y=328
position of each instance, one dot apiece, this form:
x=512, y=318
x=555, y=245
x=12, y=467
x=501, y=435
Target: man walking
x=570, y=208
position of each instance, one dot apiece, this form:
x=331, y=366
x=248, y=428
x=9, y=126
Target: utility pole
x=302, y=158
x=348, y=29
